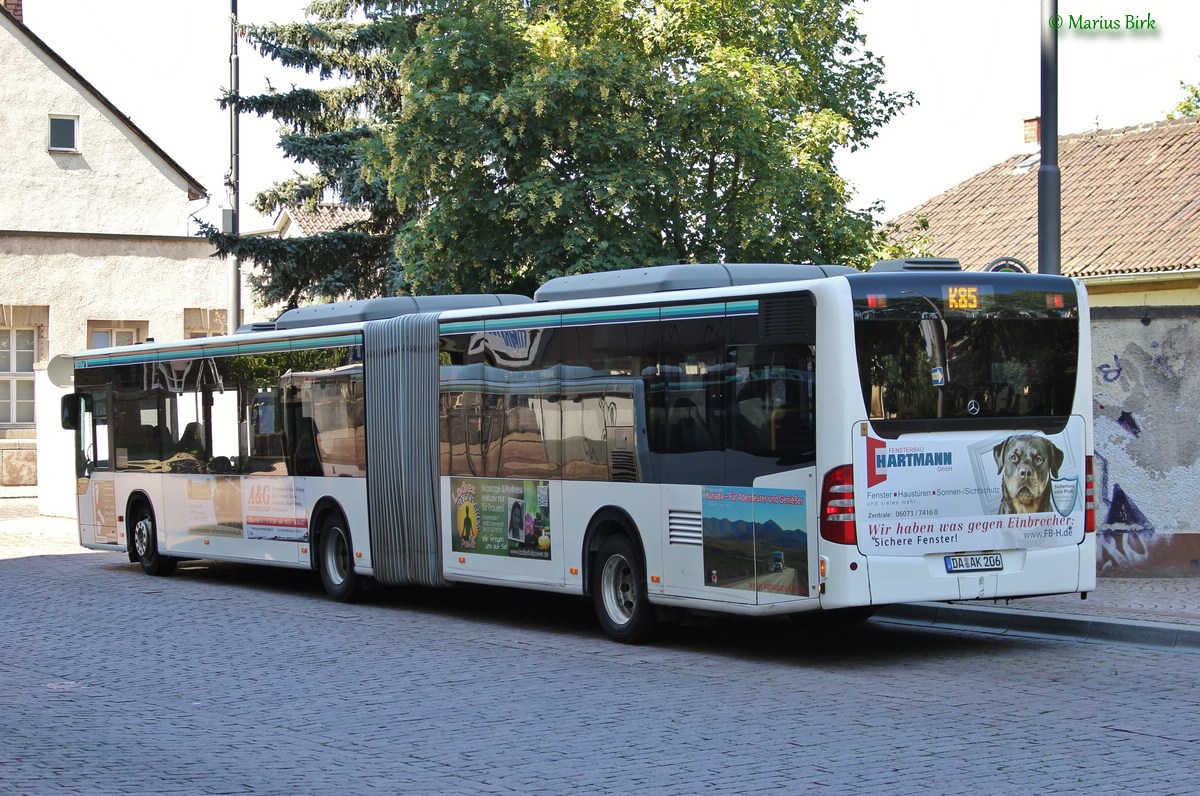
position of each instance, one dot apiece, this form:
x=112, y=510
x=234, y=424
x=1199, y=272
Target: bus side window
x=692, y=364
x=305, y=459
x=773, y=409
x=687, y=429
x=265, y=449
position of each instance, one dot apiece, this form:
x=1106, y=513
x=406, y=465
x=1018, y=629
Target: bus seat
x=686, y=430
x=192, y=439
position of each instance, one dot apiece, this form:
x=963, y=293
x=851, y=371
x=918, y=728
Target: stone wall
x=18, y=457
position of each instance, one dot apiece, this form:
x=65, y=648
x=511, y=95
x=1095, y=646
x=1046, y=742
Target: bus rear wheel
x=619, y=593
x=145, y=542
x=336, y=561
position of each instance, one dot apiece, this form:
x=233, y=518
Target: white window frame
x=49, y=139
x=12, y=378
x=136, y=329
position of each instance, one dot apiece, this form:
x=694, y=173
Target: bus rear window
x=967, y=352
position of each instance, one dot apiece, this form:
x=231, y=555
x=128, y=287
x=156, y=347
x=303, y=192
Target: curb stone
x=1044, y=625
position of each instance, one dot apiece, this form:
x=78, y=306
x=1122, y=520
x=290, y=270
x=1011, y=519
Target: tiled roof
x=326, y=217
x=1130, y=205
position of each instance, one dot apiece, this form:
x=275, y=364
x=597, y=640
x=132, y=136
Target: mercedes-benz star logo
x=972, y=407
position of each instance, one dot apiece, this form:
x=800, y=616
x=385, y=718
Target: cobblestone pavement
x=226, y=679
x=1174, y=600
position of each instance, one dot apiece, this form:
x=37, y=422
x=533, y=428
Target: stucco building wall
x=93, y=240
x=111, y=277
x=1147, y=438
x=115, y=183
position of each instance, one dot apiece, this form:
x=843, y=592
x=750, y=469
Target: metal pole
x=235, y=262
x=1049, y=178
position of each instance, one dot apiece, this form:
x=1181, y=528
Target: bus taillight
x=837, y=506
x=1089, y=505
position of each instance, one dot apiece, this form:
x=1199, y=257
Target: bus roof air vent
x=390, y=307
x=687, y=276
x=256, y=326
x=916, y=264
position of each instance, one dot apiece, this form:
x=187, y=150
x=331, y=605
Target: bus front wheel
x=336, y=561
x=619, y=593
x=145, y=543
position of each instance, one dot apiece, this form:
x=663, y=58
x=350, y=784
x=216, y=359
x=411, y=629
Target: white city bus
x=747, y=439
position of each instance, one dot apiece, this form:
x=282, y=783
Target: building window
x=108, y=334
x=64, y=134
x=202, y=322
x=18, y=352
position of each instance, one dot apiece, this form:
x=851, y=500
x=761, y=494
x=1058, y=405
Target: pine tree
x=350, y=43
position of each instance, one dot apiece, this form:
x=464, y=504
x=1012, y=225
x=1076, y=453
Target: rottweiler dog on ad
x=1026, y=463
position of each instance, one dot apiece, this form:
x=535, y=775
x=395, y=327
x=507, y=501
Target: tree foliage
x=503, y=142
x=1190, y=104
x=895, y=242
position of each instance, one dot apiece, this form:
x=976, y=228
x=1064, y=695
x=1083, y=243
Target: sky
x=972, y=65
x=974, y=68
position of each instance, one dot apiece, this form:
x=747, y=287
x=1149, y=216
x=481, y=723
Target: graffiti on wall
x=1147, y=440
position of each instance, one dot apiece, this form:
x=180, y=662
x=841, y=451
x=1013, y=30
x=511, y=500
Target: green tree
x=1190, y=104
x=541, y=139
x=893, y=242
x=524, y=139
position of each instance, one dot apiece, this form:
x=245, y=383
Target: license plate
x=980, y=562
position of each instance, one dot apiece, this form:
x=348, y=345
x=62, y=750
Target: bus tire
x=619, y=593
x=336, y=560
x=145, y=542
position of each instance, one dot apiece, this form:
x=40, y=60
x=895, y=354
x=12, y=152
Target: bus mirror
x=71, y=405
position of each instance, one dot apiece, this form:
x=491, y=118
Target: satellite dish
x=61, y=370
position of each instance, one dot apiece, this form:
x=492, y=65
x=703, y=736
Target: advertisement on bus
x=501, y=517
x=755, y=539
x=259, y=508
x=946, y=493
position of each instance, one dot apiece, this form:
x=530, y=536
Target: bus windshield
x=966, y=350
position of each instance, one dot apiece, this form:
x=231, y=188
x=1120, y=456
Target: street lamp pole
x=1049, y=177
x=235, y=262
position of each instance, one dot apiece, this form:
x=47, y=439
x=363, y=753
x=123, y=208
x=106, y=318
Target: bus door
x=86, y=414
x=270, y=498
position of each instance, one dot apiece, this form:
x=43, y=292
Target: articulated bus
x=747, y=439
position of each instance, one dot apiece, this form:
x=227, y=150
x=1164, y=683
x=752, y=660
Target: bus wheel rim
x=619, y=588
x=337, y=557
x=141, y=536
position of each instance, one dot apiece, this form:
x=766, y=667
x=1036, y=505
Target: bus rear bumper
x=1023, y=573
